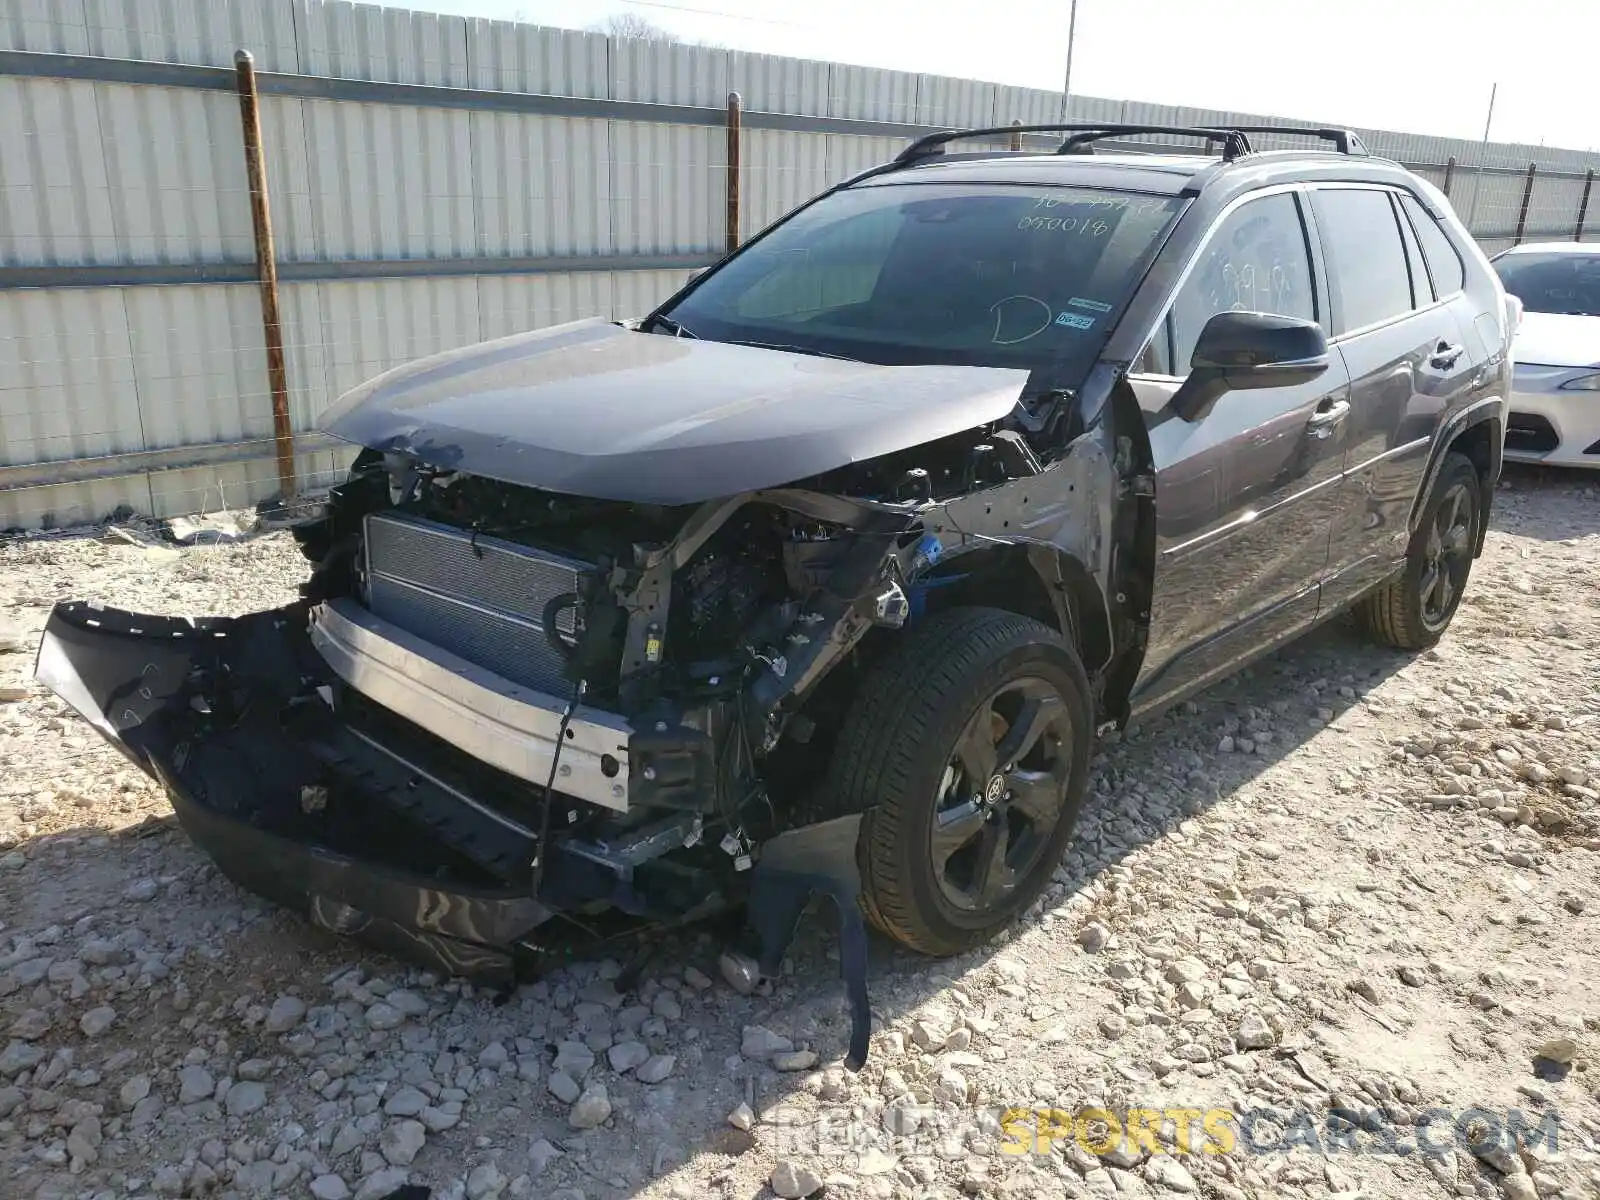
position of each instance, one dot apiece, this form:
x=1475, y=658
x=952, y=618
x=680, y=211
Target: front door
x=1408, y=361
x=1246, y=496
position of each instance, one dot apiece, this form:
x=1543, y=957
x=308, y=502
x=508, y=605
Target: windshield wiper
x=674, y=328
x=794, y=349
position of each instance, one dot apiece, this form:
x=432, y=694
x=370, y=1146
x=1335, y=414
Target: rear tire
x=1412, y=610
x=955, y=839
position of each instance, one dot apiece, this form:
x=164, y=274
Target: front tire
x=967, y=751
x=1412, y=610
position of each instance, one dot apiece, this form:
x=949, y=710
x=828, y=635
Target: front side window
x=1367, y=258
x=1256, y=261
x=1553, y=283
x=977, y=274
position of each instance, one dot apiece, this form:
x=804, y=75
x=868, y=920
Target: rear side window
x=1367, y=259
x=1256, y=261
x=1444, y=262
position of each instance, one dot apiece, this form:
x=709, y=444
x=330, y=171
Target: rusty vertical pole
x=255, y=167
x=1583, y=204
x=734, y=145
x=1016, y=138
x=1449, y=173
x=1527, y=197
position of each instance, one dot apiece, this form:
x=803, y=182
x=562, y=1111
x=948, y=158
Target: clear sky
x=1423, y=66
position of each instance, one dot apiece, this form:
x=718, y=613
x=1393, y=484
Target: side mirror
x=1240, y=350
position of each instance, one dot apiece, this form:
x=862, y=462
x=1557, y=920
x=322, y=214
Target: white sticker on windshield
x=1092, y=305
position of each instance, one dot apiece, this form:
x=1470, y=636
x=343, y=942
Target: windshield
x=1553, y=283
x=972, y=274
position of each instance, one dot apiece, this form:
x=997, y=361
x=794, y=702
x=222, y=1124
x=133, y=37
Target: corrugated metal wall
x=114, y=174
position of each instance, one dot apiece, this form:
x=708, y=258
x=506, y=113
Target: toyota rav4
x=824, y=575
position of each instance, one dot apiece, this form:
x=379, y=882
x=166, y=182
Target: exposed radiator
x=480, y=598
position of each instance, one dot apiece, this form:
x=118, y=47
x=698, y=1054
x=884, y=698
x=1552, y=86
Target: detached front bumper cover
x=210, y=708
x=229, y=715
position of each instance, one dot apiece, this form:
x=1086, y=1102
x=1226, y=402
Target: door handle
x=1324, y=421
x=1445, y=355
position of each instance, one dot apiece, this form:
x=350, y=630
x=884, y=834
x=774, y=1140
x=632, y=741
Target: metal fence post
x=1449, y=173
x=734, y=144
x=266, y=269
x=1016, y=138
x=1527, y=196
x=1583, y=204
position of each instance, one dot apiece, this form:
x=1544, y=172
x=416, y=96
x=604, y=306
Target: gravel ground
x=1346, y=878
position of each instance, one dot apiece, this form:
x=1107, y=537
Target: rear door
x=1408, y=359
x=1245, y=495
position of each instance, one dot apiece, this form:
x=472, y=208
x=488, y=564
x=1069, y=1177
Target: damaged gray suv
x=822, y=577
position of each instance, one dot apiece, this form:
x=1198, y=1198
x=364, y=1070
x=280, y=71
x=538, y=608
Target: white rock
x=1185, y=970
x=330, y=1187
x=31, y=1024
x=194, y=1083
x=625, y=1056
x=406, y=1003
x=563, y=1087
x=133, y=1091
x=141, y=890
x=655, y=1068
x=244, y=1098
x=402, y=1141
x=794, y=1060
x=493, y=1056
x=760, y=1042
x=1254, y=1033
x=792, y=1180
x=283, y=1016
x=438, y=1120
x=1559, y=1050
x=1165, y=1171
x=592, y=1108
x=574, y=1058
x=384, y=1016
x=540, y=1155
x=742, y=1117
x=382, y=1183
x=83, y=1142
x=1094, y=937
x=98, y=1020
x=406, y=1101
x=485, y=1182
x=741, y=971
x=255, y=1068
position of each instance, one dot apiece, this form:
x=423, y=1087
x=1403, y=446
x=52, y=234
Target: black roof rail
x=1234, y=141
x=1345, y=141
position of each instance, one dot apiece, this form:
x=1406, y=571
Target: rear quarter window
x=1444, y=261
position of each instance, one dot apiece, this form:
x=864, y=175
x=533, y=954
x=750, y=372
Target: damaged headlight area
x=501, y=714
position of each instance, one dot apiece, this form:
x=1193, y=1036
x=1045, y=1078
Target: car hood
x=1557, y=340
x=595, y=409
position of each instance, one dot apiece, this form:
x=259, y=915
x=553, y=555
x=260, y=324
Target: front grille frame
x=478, y=596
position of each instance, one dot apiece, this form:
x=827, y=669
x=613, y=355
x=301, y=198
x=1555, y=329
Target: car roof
x=1162, y=174
x=1552, y=248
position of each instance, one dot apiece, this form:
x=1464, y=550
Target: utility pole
x=1483, y=153
x=1072, y=33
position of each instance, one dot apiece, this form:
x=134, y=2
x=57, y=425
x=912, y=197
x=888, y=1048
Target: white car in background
x=1555, y=394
